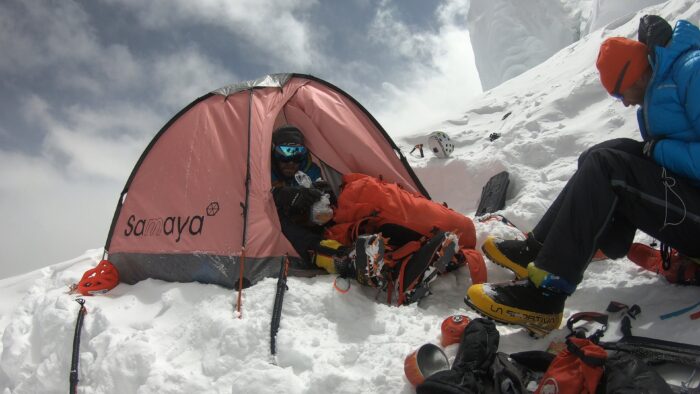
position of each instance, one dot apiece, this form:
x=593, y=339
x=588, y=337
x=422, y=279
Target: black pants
x=614, y=192
x=304, y=239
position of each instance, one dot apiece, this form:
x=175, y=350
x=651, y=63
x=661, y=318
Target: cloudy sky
x=85, y=85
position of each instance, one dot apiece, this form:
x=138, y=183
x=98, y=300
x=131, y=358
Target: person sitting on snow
x=620, y=185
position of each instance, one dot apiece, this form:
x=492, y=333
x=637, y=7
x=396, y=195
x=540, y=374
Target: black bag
x=625, y=373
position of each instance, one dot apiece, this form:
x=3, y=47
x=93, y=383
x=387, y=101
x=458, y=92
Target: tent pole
x=239, y=302
x=245, y=209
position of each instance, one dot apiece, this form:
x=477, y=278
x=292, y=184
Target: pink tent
x=199, y=196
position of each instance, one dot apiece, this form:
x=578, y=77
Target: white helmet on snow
x=440, y=144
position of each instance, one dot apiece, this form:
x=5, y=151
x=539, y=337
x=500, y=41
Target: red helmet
x=99, y=280
x=452, y=329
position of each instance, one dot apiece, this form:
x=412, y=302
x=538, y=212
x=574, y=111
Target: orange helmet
x=99, y=280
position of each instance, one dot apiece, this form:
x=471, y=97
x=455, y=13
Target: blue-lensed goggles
x=287, y=153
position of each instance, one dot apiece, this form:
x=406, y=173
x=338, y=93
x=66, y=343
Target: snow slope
x=511, y=37
x=179, y=338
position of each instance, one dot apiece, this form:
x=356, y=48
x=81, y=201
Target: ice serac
x=510, y=37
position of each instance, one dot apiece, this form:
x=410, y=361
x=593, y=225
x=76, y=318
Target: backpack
x=673, y=266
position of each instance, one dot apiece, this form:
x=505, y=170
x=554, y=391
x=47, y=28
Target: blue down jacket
x=671, y=111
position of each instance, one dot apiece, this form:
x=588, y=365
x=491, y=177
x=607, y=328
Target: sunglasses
x=616, y=92
x=287, y=153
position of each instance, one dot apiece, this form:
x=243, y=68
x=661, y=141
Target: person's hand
x=648, y=149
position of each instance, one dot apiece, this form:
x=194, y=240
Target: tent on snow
x=199, y=197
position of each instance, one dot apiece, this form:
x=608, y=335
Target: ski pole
x=76, y=347
x=277, y=308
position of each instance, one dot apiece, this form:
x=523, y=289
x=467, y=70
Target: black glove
x=648, y=149
x=326, y=188
x=323, y=186
x=296, y=200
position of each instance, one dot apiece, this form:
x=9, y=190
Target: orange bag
x=577, y=369
x=370, y=202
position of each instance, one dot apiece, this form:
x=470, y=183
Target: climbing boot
x=513, y=254
x=535, y=303
x=368, y=259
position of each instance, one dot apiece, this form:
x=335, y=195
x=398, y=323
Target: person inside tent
x=292, y=166
x=620, y=186
x=297, y=189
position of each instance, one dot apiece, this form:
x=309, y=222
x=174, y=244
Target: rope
x=669, y=182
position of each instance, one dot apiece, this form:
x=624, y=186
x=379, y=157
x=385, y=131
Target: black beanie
x=287, y=134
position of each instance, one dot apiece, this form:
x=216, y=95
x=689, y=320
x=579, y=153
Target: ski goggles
x=287, y=153
x=616, y=91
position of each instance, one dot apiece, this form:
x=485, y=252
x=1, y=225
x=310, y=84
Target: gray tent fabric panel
x=203, y=268
x=268, y=81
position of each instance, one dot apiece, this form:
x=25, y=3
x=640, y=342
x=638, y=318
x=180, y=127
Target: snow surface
x=510, y=37
x=180, y=338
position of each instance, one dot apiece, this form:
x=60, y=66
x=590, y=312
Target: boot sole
x=514, y=316
x=445, y=253
x=495, y=256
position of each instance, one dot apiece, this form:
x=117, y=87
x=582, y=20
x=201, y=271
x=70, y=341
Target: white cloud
x=453, y=12
x=47, y=35
x=95, y=155
x=57, y=43
x=396, y=36
x=440, y=75
x=183, y=76
x=21, y=172
x=276, y=28
x=46, y=216
x=103, y=142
